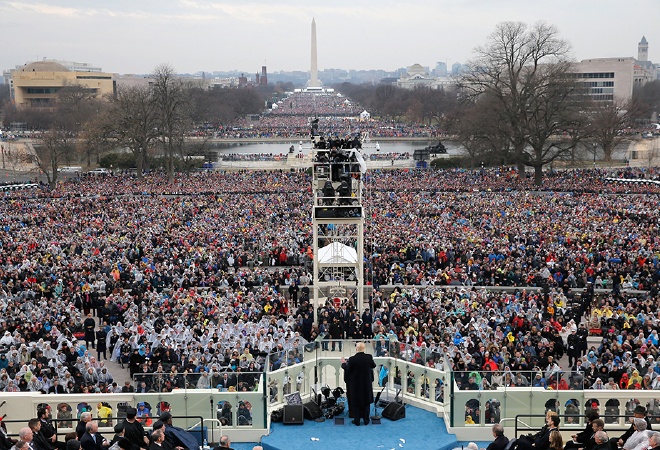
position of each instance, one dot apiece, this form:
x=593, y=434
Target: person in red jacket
x=490, y=364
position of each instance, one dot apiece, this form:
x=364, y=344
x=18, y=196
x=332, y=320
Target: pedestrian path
x=120, y=375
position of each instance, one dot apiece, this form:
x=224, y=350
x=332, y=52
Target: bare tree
x=56, y=146
x=652, y=153
x=525, y=70
x=478, y=128
x=173, y=109
x=609, y=119
x=94, y=138
x=134, y=121
x=648, y=95
x=436, y=104
x=73, y=108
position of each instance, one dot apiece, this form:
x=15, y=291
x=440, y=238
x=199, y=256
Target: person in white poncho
x=640, y=438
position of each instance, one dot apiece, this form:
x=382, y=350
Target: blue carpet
x=243, y=445
x=418, y=430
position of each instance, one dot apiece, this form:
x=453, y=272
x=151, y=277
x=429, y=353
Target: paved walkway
x=119, y=375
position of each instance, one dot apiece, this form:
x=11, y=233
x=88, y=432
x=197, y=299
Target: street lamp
x=595, y=147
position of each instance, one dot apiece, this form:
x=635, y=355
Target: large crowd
x=204, y=282
x=275, y=126
x=337, y=116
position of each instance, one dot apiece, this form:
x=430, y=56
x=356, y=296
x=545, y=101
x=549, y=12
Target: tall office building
x=440, y=69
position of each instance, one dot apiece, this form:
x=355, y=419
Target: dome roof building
x=37, y=84
x=44, y=66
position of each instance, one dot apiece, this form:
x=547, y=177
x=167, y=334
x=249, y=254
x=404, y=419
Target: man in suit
x=47, y=428
x=92, y=439
x=360, y=371
x=56, y=388
x=543, y=442
x=602, y=441
x=500, y=441
x=81, y=427
x=580, y=439
x=597, y=425
x=25, y=435
x=157, y=439
x=226, y=381
x=39, y=442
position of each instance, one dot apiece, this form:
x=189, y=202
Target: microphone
x=376, y=417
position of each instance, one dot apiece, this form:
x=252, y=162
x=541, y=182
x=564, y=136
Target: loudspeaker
x=325, y=213
x=394, y=411
x=312, y=411
x=293, y=415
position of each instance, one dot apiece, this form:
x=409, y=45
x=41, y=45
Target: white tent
x=337, y=253
x=364, y=115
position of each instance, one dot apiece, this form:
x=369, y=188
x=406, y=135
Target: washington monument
x=313, y=73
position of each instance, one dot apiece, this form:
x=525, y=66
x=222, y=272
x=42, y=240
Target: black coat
x=59, y=389
x=360, y=372
x=543, y=443
x=584, y=435
x=134, y=432
x=101, y=339
x=81, y=427
x=39, y=442
x=573, y=341
x=47, y=429
x=5, y=441
x=89, y=324
x=499, y=443
x=87, y=442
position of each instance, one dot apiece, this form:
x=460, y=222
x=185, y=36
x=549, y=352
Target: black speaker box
x=293, y=415
x=312, y=411
x=394, y=411
x=325, y=213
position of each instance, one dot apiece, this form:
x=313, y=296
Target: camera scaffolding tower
x=338, y=223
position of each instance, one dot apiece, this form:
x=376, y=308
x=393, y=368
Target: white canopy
x=337, y=253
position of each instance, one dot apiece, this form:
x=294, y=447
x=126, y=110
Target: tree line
x=518, y=104
x=151, y=121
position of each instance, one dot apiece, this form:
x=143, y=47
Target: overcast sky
x=134, y=36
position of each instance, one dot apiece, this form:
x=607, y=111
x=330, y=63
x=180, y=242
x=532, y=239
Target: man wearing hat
x=640, y=413
x=134, y=432
x=176, y=436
